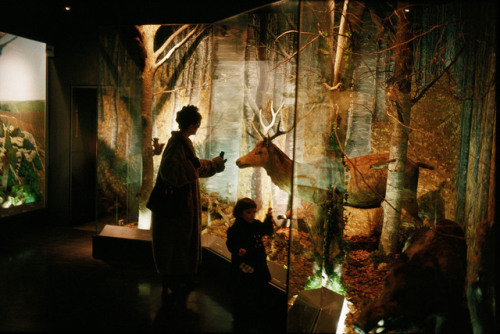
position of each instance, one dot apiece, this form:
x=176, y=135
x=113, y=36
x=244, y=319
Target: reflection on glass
x=254, y=95
x=128, y=128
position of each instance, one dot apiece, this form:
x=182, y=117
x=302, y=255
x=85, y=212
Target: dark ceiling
x=45, y=20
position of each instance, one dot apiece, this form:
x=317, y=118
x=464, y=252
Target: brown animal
x=424, y=292
x=366, y=175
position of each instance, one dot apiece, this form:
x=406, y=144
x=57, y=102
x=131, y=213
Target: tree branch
x=296, y=52
x=426, y=88
x=176, y=46
x=170, y=39
x=398, y=44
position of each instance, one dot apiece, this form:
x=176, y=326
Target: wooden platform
x=123, y=244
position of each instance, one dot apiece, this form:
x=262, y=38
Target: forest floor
x=363, y=278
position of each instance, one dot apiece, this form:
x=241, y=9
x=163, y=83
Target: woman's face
x=248, y=215
x=193, y=128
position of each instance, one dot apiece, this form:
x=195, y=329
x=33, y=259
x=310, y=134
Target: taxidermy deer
x=276, y=163
x=366, y=175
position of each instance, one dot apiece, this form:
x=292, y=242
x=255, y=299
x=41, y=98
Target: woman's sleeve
x=210, y=167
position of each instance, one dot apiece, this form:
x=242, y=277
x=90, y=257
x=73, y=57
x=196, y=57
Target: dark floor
x=49, y=282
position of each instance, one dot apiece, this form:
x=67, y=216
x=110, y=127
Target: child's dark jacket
x=249, y=237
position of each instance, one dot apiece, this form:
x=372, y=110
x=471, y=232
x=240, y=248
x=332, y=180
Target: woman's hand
x=219, y=164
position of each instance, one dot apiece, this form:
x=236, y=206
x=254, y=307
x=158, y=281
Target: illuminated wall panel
x=22, y=124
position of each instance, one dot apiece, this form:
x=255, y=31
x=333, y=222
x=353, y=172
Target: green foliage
x=28, y=145
x=332, y=282
x=335, y=283
x=7, y=143
x=314, y=282
x=37, y=162
x=23, y=192
x=17, y=133
x=12, y=153
x=11, y=182
x=332, y=234
x=30, y=188
x=333, y=144
x=4, y=107
x=23, y=185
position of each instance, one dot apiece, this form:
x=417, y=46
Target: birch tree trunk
x=336, y=47
x=399, y=95
x=341, y=41
x=151, y=64
x=148, y=33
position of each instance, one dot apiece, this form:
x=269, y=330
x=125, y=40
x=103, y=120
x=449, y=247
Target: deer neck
x=279, y=170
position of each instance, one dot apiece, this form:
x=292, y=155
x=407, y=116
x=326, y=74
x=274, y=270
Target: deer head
x=263, y=152
x=267, y=155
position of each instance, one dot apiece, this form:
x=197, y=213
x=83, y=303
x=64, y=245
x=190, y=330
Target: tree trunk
x=148, y=36
x=399, y=95
x=339, y=55
x=147, y=134
x=113, y=143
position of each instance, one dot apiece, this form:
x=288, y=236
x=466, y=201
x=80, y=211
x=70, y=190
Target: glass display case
x=300, y=96
x=22, y=124
x=243, y=74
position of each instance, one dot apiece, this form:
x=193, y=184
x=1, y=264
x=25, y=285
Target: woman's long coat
x=176, y=206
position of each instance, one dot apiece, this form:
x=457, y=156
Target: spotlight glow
x=343, y=315
x=144, y=219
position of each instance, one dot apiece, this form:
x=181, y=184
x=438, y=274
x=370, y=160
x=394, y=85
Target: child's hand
x=270, y=211
x=242, y=251
x=247, y=269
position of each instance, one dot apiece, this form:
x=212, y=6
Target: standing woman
x=175, y=203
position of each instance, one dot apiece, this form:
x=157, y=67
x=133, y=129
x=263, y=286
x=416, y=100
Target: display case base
x=217, y=245
x=122, y=243
x=316, y=311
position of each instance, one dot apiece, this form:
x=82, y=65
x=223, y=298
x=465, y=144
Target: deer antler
x=265, y=128
x=256, y=130
x=278, y=131
x=273, y=120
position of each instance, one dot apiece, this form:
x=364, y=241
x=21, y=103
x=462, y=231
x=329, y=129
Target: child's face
x=248, y=215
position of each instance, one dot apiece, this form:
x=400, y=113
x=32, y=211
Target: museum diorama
x=22, y=124
x=367, y=126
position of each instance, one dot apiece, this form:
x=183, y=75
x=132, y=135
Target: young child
x=248, y=255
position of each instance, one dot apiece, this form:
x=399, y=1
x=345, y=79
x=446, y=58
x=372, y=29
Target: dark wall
x=74, y=63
